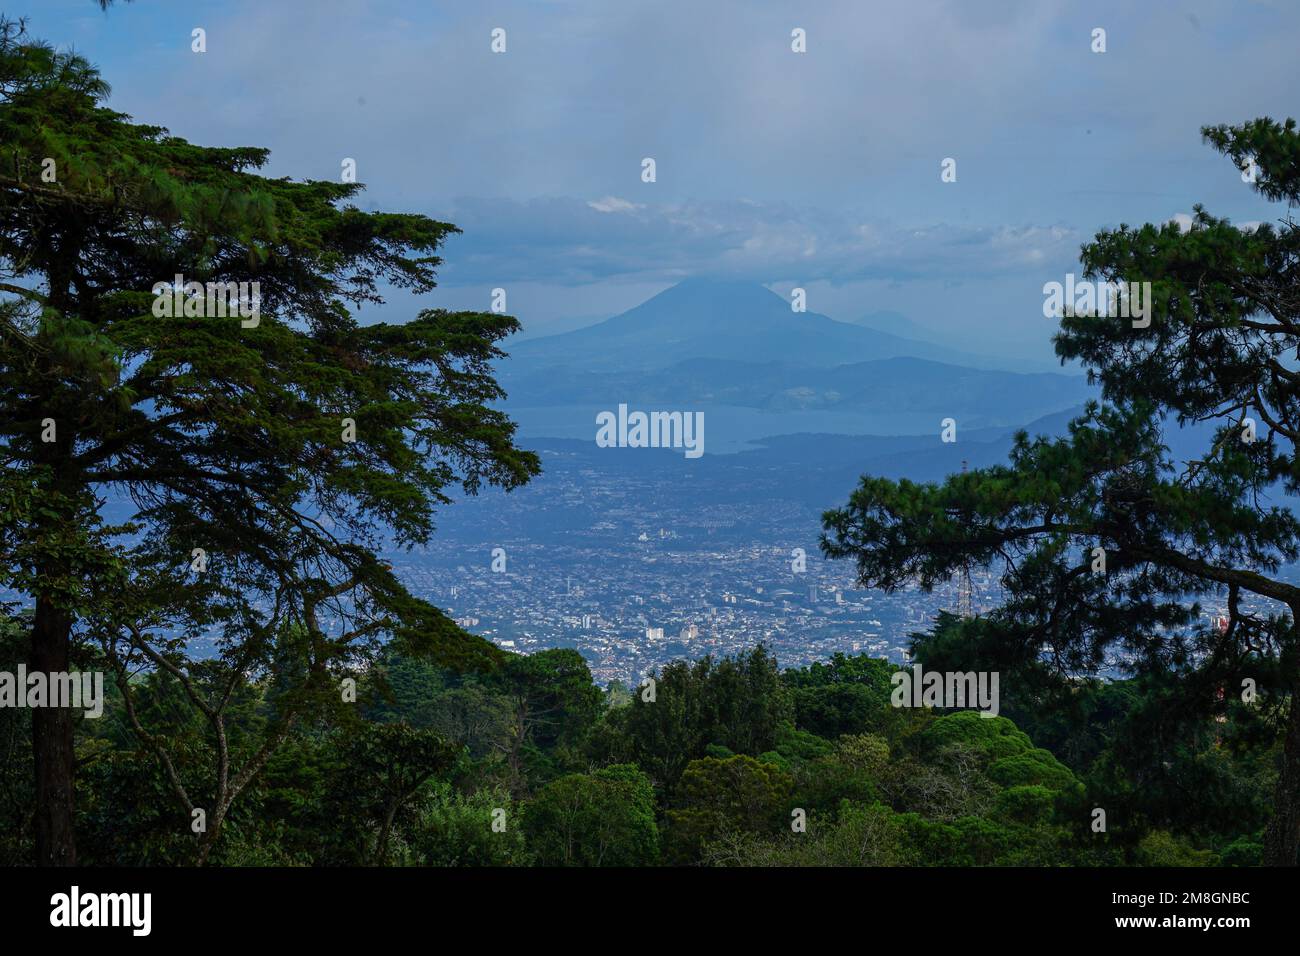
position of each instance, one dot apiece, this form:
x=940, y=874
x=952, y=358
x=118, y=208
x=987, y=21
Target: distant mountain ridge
x=895, y=323
x=727, y=320
x=728, y=346
x=877, y=387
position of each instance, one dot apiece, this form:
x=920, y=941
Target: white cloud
x=573, y=241
x=614, y=204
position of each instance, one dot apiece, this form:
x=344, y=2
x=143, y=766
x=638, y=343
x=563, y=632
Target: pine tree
x=286, y=442
x=1219, y=348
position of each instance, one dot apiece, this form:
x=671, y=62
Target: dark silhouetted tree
x=214, y=432
x=1220, y=348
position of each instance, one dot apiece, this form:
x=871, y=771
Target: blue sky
x=818, y=169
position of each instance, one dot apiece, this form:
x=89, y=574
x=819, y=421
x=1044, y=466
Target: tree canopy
x=258, y=464
x=1102, y=541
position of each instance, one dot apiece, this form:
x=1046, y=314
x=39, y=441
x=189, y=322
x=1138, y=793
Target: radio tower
x=964, y=606
x=964, y=589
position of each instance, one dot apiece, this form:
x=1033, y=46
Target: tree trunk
x=209, y=839
x=381, y=852
x=1282, y=838
x=54, y=757
x=52, y=742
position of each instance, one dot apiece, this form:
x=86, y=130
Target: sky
x=818, y=169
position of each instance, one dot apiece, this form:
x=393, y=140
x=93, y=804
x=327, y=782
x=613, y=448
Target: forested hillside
x=721, y=762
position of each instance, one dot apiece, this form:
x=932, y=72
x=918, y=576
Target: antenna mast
x=965, y=604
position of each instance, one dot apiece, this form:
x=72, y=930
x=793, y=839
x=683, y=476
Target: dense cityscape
x=621, y=565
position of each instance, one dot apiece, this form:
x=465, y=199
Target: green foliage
x=454, y=829
x=987, y=842
x=932, y=843
x=1215, y=342
x=716, y=797
x=226, y=435
x=384, y=767
x=1160, y=848
x=1242, y=852
x=16, y=771
x=606, y=818
x=1025, y=803
x=800, y=746
x=951, y=790
x=995, y=737
x=1034, y=767
x=736, y=702
x=859, y=670
x=835, y=709
x=861, y=835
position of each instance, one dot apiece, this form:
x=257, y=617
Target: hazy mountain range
x=738, y=349
x=735, y=321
